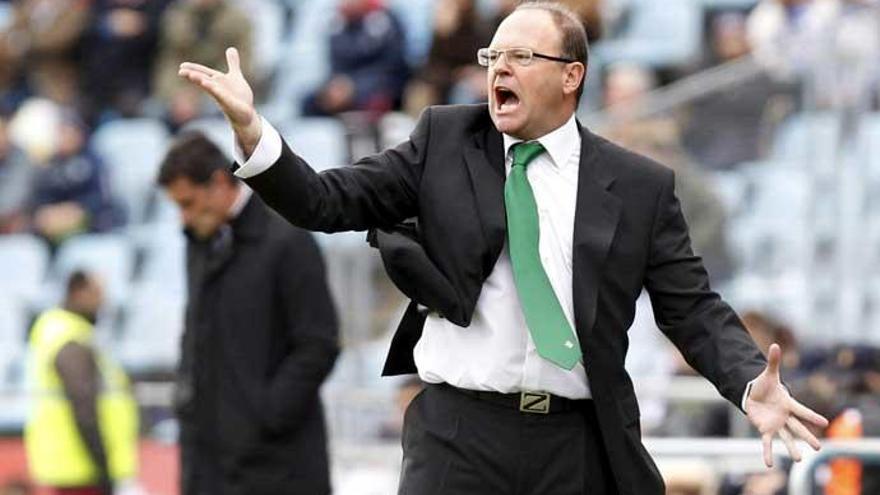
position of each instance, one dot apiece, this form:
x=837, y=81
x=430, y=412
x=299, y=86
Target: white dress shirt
x=496, y=352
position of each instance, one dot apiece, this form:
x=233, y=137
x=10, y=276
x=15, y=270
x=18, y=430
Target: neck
x=229, y=199
x=72, y=308
x=550, y=127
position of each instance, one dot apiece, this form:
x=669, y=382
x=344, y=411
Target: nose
x=501, y=65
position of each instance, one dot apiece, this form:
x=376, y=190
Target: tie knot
x=524, y=153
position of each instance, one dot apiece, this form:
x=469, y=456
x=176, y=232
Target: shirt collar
x=244, y=194
x=560, y=143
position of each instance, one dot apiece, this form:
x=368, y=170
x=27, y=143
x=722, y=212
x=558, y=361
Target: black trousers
x=455, y=444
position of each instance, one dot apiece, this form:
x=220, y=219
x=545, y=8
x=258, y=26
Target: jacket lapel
x=595, y=223
x=485, y=163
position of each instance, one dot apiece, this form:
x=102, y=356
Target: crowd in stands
x=70, y=67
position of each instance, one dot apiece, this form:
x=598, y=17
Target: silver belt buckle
x=534, y=402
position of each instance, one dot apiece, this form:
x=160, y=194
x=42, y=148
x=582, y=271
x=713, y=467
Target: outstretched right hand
x=233, y=95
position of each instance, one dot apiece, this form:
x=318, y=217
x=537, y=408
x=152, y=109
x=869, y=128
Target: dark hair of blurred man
x=82, y=434
x=260, y=336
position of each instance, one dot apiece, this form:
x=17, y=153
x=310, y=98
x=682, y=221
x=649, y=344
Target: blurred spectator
x=82, y=434
x=590, y=12
x=367, y=62
x=251, y=419
x=41, y=44
x=197, y=31
x=725, y=128
x=625, y=84
x=16, y=173
x=660, y=140
x=787, y=35
x=458, y=34
x=848, y=73
x=71, y=191
x=118, y=51
x=765, y=330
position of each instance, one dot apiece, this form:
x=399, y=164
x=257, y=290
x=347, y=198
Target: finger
x=774, y=356
x=200, y=68
x=807, y=414
x=767, y=440
x=792, y=447
x=233, y=61
x=802, y=432
x=198, y=78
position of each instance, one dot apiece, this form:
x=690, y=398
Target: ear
x=573, y=75
x=221, y=176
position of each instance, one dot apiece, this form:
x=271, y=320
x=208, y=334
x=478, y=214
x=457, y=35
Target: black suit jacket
x=629, y=233
x=260, y=338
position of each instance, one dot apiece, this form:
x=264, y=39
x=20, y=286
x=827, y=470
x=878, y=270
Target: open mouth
x=505, y=99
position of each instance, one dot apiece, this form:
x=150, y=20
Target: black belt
x=526, y=402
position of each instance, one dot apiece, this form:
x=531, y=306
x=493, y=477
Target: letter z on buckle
x=534, y=402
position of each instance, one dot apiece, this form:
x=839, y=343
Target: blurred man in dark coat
x=260, y=338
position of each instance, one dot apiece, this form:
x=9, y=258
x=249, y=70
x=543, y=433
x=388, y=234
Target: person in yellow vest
x=82, y=432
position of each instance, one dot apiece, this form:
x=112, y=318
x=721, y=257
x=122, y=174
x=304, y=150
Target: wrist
x=249, y=135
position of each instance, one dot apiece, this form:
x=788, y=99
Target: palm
x=773, y=411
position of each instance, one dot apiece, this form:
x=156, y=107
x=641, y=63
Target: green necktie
x=551, y=332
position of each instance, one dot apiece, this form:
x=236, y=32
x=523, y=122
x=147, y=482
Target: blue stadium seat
x=810, y=140
x=132, y=150
x=395, y=128
x=24, y=261
x=151, y=338
x=417, y=18
x=868, y=146
x=304, y=66
x=728, y=4
x=320, y=141
x=267, y=17
x=110, y=256
x=165, y=260
x=659, y=34
x=13, y=331
x=217, y=130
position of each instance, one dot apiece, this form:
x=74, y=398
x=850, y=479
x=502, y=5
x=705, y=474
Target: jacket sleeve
x=311, y=335
x=378, y=191
x=704, y=328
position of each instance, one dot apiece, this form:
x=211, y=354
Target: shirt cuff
x=267, y=152
x=746, y=394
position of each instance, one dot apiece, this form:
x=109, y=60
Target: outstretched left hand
x=774, y=411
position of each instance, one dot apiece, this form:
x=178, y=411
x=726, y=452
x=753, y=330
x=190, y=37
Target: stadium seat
x=320, y=141
x=165, y=260
x=395, y=128
x=132, y=150
x=150, y=341
x=728, y=4
x=417, y=18
x=292, y=83
x=13, y=333
x=24, y=261
x=810, y=140
x=110, y=256
x=217, y=130
x=659, y=34
x=868, y=147
x=267, y=17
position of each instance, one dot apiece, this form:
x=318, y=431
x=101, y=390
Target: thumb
x=233, y=61
x=774, y=356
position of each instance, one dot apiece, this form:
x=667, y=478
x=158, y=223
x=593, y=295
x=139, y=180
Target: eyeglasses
x=519, y=56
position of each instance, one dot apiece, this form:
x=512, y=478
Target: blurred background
x=767, y=110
